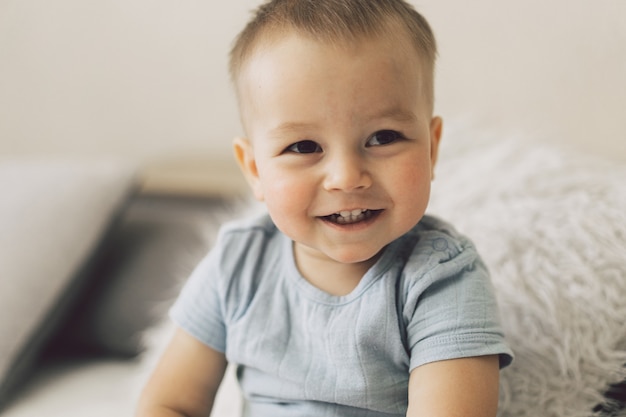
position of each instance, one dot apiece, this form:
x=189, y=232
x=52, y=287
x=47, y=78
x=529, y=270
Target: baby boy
x=345, y=299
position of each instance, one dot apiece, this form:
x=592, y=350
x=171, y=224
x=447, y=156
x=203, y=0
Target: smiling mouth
x=351, y=216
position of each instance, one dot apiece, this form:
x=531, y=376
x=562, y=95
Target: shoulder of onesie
x=239, y=240
x=433, y=243
x=239, y=231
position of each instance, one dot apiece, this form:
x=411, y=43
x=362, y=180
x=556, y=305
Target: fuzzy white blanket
x=551, y=226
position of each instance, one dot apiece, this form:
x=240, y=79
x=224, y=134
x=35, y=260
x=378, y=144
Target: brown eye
x=305, y=146
x=384, y=137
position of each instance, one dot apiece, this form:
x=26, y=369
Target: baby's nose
x=347, y=173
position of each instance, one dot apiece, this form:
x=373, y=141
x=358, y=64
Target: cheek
x=287, y=203
x=412, y=183
x=286, y=194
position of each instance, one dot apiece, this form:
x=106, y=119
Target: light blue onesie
x=303, y=352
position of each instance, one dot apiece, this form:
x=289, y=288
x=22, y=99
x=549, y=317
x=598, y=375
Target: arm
x=185, y=380
x=466, y=387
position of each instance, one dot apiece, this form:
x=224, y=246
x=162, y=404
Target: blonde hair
x=336, y=21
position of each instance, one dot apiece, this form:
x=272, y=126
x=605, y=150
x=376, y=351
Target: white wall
x=147, y=78
x=552, y=70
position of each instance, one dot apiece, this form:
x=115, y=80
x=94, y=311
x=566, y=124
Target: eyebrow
x=394, y=113
x=293, y=127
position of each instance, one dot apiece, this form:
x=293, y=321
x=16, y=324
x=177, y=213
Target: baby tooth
x=345, y=213
x=357, y=212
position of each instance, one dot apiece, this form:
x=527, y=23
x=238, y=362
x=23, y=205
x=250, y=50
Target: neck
x=330, y=276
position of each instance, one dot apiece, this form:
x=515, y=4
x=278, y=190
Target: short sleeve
x=198, y=309
x=451, y=310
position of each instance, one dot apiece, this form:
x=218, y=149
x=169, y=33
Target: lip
x=371, y=216
x=350, y=210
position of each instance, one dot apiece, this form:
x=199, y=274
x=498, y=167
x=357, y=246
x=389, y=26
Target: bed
x=92, y=253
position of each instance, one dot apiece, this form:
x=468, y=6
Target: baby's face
x=341, y=143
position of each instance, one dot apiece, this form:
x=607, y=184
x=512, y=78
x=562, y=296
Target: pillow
x=53, y=214
x=551, y=226
x=152, y=250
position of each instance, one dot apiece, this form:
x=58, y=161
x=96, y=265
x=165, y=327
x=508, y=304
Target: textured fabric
x=302, y=351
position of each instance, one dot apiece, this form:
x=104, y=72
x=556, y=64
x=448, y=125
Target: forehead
x=296, y=67
x=391, y=34
x=292, y=53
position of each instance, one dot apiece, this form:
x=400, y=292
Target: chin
x=355, y=258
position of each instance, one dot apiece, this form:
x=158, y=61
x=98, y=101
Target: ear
x=436, y=127
x=244, y=154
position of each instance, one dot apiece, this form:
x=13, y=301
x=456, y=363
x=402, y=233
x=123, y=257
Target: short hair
x=335, y=21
